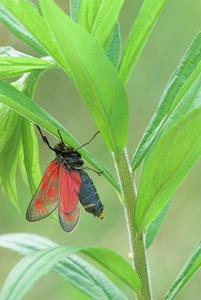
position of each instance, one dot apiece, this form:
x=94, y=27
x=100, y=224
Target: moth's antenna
x=87, y=142
x=61, y=137
x=45, y=140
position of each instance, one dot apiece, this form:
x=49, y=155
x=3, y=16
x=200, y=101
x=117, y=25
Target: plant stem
x=136, y=241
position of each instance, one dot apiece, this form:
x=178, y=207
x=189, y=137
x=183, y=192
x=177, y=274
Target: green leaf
x=116, y=264
x=31, y=154
x=138, y=36
x=21, y=166
x=106, y=19
x=100, y=87
x=99, y=17
x=28, y=158
x=87, y=13
x=170, y=158
x=153, y=228
x=181, y=80
x=12, y=147
x=114, y=50
x=10, y=144
x=73, y=269
x=17, y=66
x=30, y=110
x=15, y=26
x=74, y=9
x=32, y=267
x=190, y=268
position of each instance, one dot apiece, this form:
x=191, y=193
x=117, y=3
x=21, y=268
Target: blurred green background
x=177, y=26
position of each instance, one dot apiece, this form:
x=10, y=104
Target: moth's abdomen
x=89, y=197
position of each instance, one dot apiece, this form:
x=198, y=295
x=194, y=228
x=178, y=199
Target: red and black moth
x=63, y=185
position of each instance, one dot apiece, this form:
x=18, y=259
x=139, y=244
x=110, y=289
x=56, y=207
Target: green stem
x=136, y=241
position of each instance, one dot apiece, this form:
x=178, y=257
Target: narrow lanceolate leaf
x=96, y=79
x=30, y=110
x=16, y=66
x=99, y=17
x=114, y=49
x=16, y=27
x=87, y=13
x=32, y=267
x=170, y=158
x=28, y=158
x=74, y=9
x=73, y=269
x=10, y=144
x=183, y=77
x=115, y=263
x=106, y=19
x=190, y=268
x=138, y=36
x=153, y=228
x=13, y=147
x=30, y=147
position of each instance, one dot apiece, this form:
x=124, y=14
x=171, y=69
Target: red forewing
x=46, y=198
x=69, y=187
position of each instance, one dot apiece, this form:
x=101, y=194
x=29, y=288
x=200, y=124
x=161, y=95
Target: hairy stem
x=136, y=241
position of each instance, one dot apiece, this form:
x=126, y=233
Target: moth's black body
x=88, y=195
